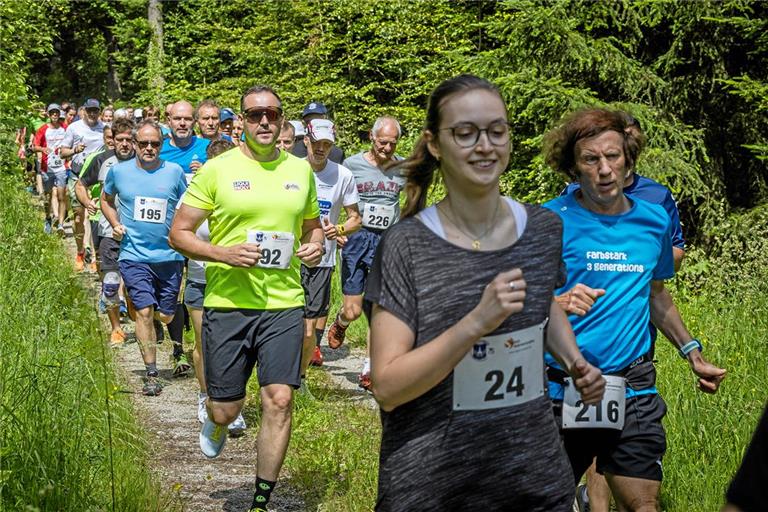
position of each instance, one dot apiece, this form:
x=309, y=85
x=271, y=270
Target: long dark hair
x=419, y=168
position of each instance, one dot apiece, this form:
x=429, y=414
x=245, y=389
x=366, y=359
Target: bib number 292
x=511, y=383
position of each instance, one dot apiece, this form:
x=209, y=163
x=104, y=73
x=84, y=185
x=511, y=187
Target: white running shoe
x=237, y=427
x=212, y=438
x=202, y=412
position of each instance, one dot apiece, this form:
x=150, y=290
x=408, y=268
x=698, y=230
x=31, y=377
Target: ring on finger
x=512, y=285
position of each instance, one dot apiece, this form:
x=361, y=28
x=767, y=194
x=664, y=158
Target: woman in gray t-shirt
x=462, y=297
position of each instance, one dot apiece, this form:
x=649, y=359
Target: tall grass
x=69, y=438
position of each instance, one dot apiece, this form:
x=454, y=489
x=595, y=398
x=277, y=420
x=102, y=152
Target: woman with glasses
x=463, y=309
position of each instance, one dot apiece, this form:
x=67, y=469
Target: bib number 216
x=608, y=413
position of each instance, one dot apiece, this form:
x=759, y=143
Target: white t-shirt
x=80, y=133
x=336, y=187
x=195, y=268
x=53, y=138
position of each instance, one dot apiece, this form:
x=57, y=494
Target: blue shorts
x=54, y=179
x=153, y=284
x=194, y=294
x=356, y=260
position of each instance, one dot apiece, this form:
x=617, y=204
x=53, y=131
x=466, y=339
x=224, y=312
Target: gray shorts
x=194, y=294
x=54, y=179
x=316, y=282
x=236, y=340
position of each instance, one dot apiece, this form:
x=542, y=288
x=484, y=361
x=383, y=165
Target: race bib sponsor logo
x=480, y=350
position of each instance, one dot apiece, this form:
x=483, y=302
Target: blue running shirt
x=139, y=191
x=621, y=254
x=195, y=150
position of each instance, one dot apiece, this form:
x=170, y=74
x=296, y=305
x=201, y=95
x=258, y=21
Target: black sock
x=264, y=489
x=318, y=336
x=151, y=369
x=159, y=335
x=176, y=331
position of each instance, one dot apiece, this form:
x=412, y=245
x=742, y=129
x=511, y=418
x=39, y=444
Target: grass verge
x=68, y=438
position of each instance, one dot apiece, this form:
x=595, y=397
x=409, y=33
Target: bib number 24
x=514, y=384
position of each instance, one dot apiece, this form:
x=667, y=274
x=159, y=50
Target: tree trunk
x=156, y=53
x=114, y=88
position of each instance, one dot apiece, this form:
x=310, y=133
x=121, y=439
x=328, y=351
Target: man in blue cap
x=226, y=122
x=316, y=110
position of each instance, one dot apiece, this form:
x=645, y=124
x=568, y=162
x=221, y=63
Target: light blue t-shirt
x=146, y=204
x=621, y=254
x=195, y=150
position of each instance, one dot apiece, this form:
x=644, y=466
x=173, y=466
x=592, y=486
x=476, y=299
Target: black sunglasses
x=256, y=114
x=144, y=143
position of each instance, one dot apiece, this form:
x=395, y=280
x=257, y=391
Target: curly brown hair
x=560, y=142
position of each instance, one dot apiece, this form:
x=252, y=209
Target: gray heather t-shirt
x=432, y=456
x=375, y=186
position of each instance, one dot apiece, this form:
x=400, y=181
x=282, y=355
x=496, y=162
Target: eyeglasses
x=256, y=114
x=144, y=143
x=466, y=135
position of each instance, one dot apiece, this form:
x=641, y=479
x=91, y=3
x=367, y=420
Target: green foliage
x=68, y=436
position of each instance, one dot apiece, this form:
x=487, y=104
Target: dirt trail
x=170, y=420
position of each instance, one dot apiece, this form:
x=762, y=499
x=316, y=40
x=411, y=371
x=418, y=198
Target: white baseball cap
x=321, y=129
x=298, y=128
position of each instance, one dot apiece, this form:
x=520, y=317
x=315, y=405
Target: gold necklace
x=475, y=240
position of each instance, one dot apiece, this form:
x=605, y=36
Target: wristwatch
x=690, y=347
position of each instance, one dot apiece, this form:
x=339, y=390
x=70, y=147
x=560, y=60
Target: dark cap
x=91, y=103
x=314, y=108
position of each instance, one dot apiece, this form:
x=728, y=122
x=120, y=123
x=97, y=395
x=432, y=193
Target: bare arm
x=84, y=197
x=561, y=343
x=183, y=238
x=352, y=224
x=312, y=247
x=579, y=299
x=677, y=255
x=110, y=213
x=667, y=319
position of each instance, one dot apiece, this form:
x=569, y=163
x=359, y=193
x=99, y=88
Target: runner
x=316, y=110
x=194, y=292
x=264, y=222
x=457, y=346
x=237, y=130
x=379, y=190
x=226, y=121
x=286, y=139
x=83, y=137
x=88, y=190
x=335, y=188
x=595, y=496
x=52, y=170
x=183, y=147
x=622, y=248
x=95, y=214
x=208, y=117
x=148, y=190
x=107, y=115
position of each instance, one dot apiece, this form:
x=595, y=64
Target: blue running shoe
x=212, y=438
x=123, y=307
x=47, y=227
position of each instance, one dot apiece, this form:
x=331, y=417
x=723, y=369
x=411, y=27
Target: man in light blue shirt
x=183, y=147
x=147, y=190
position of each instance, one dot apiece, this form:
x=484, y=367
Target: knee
x=278, y=402
x=166, y=319
x=223, y=413
x=145, y=314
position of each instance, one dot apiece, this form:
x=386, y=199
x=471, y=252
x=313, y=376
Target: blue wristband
x=690, y=347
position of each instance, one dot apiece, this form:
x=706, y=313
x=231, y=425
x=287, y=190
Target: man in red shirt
x=52, y=169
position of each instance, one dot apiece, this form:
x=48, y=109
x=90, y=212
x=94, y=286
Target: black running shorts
x=316, y=282
x=236, y=340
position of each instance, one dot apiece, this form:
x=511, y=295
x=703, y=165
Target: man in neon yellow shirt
x=263, y=215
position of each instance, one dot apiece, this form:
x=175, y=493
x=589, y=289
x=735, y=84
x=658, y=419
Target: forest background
x=694, y=73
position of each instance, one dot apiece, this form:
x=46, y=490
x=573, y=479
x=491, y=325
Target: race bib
x=150, y=209
x=608, y=413
x=378, y=216
x=276, y=248
x=55, y=161
x=501, y=371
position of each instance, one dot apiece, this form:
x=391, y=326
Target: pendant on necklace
x=476, y=245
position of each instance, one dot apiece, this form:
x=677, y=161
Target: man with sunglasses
x=264, y=223
x=379, y=191
x=88, y=190
x=148, y=190
x=82, y=138
x=183, y=147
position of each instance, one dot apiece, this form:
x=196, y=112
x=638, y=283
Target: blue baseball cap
x=314, y=107
x=92, y=103
x=226, y=115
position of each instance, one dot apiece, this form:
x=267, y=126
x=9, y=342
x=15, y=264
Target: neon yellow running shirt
x=243, y=194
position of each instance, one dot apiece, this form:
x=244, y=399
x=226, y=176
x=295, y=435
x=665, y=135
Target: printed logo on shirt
x=241, y=185
x=325, y=207
x=292, y=186
x=480, y=350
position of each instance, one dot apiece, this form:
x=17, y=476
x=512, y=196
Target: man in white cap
x=52, y=170
x=316, y=110
x=335, y=188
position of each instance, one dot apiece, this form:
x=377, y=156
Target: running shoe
x=317, y=357
x=152, y=386
x=93, y=267
x=336, y=334
x=202, y=412
x=182, y=367
x=364, y=381
x=87, y=255
x=582, y=501
x=117, y=338
x=47, y=227
x=61, y=233
x=212, y=438
x=237, y=427
x=79, y=259
x=123, y=307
